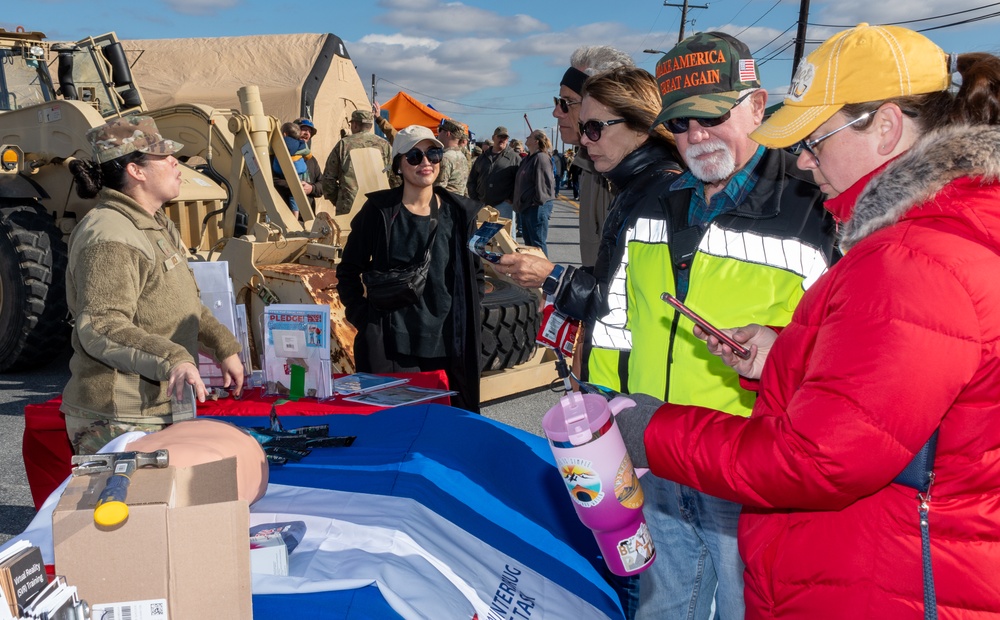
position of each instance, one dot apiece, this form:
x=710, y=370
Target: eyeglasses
x=564, y=103
x=680, y=125
x=414, y=156
x=592, y=129
x=810, y=145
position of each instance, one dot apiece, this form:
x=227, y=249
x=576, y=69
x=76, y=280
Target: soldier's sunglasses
x=414, y=156
x=593, y=129
x=680, y=125
x=564, y=103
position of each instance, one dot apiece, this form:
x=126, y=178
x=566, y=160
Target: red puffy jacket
x=900, y=338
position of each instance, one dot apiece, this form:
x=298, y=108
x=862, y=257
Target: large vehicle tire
x=34, y=319
x=510, y=324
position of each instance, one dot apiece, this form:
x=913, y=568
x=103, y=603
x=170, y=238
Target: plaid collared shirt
x=702, y=212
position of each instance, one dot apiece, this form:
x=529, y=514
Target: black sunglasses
x=592, y=129
x=564, y=103
x=680, y=125
x=414, y=156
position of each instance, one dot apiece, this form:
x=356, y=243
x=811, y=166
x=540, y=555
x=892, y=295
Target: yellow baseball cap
x=865, y=63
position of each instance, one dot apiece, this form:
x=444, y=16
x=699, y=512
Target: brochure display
x=399, y=395
x=297, y=350
x=362, y=383
x=216, y=291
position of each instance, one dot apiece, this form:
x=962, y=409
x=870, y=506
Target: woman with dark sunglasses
x=616, y=116
x=403, y=227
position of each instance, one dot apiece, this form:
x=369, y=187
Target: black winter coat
x=642, y=176
x=366, y=249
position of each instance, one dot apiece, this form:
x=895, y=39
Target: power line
x=651, y=26
x=737, y=35
x=961, y=23
x=781, y=34
x=923, y=19
x=774, y=54
x=733, y=18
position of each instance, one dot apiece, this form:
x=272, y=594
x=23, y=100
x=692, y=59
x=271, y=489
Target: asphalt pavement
x=523, y=411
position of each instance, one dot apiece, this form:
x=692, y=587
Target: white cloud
x=446, y=69
x=398, y=40
x=200, y=7
x=437, y=17
x=849, y=13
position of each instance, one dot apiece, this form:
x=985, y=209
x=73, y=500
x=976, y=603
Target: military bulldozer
x=228, y=208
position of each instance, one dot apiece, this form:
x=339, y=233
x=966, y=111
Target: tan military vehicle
x=228, y=208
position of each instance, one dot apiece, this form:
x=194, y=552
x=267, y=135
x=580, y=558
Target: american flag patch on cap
x=746, y=69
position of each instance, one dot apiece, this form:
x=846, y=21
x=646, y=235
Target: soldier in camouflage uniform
x=340, y=185
x=138, y=320
x=454, y=172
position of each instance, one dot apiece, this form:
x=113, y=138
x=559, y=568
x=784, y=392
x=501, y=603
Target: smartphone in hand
x=740, y=350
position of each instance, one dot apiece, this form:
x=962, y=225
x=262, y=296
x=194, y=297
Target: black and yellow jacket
x=750, y=265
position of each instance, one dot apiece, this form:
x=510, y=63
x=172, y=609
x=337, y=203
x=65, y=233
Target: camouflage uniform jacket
x=454, y=172
x=340, y=186
x=137, y=313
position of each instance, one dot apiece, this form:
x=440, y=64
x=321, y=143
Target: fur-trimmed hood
x=938, y=158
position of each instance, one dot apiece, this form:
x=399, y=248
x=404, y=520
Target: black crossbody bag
x=400, y=287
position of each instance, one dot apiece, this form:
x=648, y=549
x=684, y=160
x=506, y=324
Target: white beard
x=721, y=165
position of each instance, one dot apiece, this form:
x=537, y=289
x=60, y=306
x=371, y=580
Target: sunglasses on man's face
x=414, y=156
x=593, y=129
x=564, y=103
x=680, y=125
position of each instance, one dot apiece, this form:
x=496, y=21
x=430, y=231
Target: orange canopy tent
x=404, y=111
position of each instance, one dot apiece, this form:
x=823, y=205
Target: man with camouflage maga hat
x=743, y=234
x=454, y=173
x=138, y=319
x=340, y=182
x=129, y=134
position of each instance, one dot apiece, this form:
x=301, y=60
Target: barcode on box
x=155, y=609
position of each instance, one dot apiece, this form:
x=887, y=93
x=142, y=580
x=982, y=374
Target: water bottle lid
x=576, y=418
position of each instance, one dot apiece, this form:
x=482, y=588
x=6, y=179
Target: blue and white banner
x=431, y=513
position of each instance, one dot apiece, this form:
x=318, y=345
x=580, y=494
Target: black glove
x=632, y=423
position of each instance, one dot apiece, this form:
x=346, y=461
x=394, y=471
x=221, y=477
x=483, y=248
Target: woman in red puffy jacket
x=899, y=340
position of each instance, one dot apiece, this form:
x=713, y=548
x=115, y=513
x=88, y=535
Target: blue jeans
x=506, y=210
x=697, y=558
x=535, y=225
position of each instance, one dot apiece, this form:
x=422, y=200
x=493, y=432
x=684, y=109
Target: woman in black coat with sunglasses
x=410, y=226
x=618, y=110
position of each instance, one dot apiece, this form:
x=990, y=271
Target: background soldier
x=455, y=166
x=340, y=183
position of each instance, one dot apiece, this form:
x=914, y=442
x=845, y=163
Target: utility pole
x=800, y=35
x=684, y=12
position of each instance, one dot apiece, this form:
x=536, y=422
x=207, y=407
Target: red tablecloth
x=47, y=451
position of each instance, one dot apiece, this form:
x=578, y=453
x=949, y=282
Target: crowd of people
x=845, y=468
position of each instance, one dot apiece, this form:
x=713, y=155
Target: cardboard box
x=186, y=540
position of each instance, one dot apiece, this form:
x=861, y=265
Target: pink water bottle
x=599, y=476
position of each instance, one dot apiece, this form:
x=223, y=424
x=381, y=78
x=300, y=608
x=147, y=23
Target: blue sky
x=488, y=63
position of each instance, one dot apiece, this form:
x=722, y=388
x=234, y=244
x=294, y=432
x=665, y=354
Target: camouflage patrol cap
x=452, y=127
x=702, y=76
x=129, y=134
x=362, y=116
